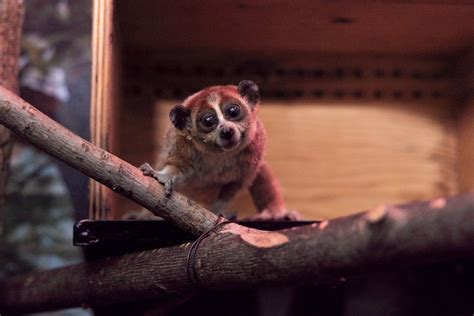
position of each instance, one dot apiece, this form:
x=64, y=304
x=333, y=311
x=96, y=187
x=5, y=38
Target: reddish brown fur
x=195, y=164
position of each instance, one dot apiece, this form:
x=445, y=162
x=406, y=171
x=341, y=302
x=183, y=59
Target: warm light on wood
x=105, y=83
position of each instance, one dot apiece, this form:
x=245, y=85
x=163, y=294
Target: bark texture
x=11, y=20
x=232, y=256
x=123, y=178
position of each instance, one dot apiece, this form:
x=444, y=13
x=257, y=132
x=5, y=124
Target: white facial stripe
x=213, y=100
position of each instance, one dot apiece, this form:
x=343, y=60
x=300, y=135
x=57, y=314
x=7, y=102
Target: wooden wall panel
x=266, y=27
x=466, y=125
x=335, y=153
x=334, y=159
x=287, y=77
x=359, y=96
x=105, y=98
x=466, y=148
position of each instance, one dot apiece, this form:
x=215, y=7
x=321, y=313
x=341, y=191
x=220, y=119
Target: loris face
x=219, y=118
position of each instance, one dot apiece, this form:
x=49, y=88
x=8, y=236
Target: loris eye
x=208, y=121
x=232, y=111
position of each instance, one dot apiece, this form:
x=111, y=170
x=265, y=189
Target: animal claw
x=167, y=182
x=163, y=178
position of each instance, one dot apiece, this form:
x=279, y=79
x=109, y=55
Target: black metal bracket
x=106, y=238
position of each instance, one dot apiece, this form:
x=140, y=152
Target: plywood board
x=466, y=147
x=334, y=159
x=335, y=154
x=466, y=125
x=266, y=27
x=105, y=100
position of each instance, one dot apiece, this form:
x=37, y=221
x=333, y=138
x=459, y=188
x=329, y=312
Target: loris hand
x=163, y=178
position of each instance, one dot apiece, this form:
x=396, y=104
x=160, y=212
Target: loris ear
x=179, y=116
x=249, y=90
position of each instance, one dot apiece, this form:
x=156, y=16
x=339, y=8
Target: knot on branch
x=377, y=215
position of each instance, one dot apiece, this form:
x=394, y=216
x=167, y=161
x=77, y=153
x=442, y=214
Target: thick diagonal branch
x=26, y=121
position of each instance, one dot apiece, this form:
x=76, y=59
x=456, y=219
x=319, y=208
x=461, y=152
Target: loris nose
x=227, y=133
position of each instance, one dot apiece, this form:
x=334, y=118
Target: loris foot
x=163, y=178
x=227, y=214
x=280, y=215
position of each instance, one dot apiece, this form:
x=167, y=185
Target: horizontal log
x=232, y=256
x=123, y=178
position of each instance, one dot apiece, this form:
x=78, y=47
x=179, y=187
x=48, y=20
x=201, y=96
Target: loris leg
x=267, y=196
x=167, y=176
x=226, y=194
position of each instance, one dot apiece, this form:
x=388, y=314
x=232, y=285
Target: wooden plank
x=104, y=96
x=466, y=148
x=333, y=159
x=466, y=125
x=299, y=76
x=266, y=27
x=363, y=150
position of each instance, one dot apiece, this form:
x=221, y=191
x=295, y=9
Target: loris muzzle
x=215, y=148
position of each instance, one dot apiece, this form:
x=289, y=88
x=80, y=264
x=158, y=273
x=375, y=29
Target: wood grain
x=333, y=155
x=333, y=159
x=105, y=100
x=466, y=124
x=230, y=257
x=266, y=27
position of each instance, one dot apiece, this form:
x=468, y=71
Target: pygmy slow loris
x=215, y=148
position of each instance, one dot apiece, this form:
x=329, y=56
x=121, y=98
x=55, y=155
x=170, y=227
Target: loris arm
x=267, y=196
x=168, y=176
x=226, y=194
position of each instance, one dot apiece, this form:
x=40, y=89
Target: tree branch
x=234, y=257
x=123, y=178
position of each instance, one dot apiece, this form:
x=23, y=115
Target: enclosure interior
x=363, y=103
